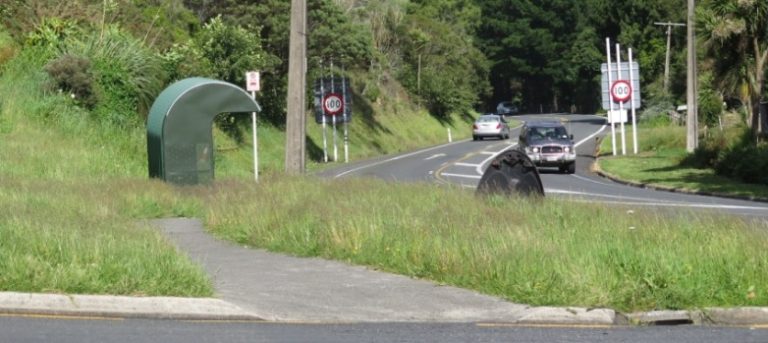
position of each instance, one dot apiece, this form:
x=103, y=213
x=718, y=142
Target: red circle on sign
x=621, y=91
x=333, y=104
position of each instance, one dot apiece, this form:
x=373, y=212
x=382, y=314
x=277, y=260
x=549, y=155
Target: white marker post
x=344, y=113
x=632, y=103
x=253, y=85
x=335, y=147
x=611, y=115
x=621, y=103
x=325, y=125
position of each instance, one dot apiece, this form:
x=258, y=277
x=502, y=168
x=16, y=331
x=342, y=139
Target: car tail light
x=498, y=126
x=474, y=126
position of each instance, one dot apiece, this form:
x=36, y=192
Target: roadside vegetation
x=726, y=163
x=76, y=82
x=545, y=252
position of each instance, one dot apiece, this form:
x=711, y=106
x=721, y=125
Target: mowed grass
x=658, y=163
x=539, y=252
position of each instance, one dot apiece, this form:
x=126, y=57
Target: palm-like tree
x=735, y=34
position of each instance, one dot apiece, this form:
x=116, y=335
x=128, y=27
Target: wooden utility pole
x=692, y=119
x=296, y=119
x=669, y=26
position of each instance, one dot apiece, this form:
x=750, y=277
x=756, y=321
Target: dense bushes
x=733, y=155
x=110, y=72
x=745, y=161
x=72, y=74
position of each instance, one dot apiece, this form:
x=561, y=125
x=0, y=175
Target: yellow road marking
x=59, y=316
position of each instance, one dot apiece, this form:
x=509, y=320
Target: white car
x=490, y=125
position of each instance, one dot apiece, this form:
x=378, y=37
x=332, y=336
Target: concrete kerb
x=106, y=306
x=119, y=307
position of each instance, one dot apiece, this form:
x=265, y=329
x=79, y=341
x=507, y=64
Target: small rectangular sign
x=252, y=81
x=617, y=116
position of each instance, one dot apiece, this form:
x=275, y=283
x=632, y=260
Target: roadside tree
x=735, y=34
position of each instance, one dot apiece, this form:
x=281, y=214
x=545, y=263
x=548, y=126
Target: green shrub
x=744, y=160
x=52, y=32
x=7, y=47
x=708, y=152
x=710, y=108
x=184, y=60
x=127, y=75
x=230, y=50
x=72, y=74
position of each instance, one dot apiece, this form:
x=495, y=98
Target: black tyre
x=571, y=168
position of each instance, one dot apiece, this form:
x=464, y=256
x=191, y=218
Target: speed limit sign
x=621, y=91
x=333, y=104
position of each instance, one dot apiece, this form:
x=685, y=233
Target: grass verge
x=548, y=252
x=658, y=163
x=83, y=238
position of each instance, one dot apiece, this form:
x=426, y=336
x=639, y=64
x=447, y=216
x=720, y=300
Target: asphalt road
x=462, y=163
x=28, y=330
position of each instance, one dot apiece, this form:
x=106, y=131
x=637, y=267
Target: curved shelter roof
x=179, y=128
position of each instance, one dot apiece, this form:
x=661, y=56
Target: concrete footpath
x=253, y=284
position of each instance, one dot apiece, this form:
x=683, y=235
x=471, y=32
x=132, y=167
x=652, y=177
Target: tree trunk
x=758, y=118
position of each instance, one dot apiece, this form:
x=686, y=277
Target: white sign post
x=325, y=124
x=344, y=112
x=632, y=103
x=253, y=85
x=333, y=115
x=616, y=88
x=621, y=103
x=332, y=105
x=610, y=103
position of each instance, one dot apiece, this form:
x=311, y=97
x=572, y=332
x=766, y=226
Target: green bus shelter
x=180, y=128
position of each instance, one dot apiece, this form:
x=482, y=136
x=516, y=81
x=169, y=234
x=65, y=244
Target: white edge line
x=394, y=159
x=591, y=136
x=640, y=202
x=477, y=177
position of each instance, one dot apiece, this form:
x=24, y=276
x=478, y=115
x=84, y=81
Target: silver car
x=548, y=144
x=490, y=125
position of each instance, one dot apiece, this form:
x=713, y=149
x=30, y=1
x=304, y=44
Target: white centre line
x=394, y=159
x=477, y=177
x=434, y=157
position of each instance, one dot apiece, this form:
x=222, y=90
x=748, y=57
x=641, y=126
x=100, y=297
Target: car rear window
x=487, y=119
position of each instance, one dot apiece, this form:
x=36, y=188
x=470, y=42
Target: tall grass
x=72, y=190
x=82, y=237
x=548, y=252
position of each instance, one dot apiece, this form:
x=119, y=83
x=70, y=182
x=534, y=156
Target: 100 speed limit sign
x=333, y=104
x=621, y=91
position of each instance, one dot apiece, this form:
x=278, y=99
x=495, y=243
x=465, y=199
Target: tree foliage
x=441, y=64
x=736, y=38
